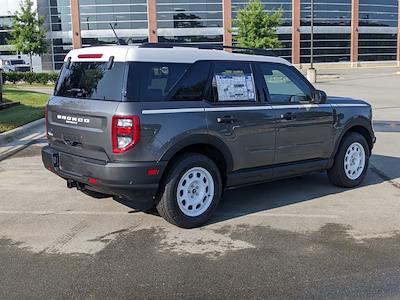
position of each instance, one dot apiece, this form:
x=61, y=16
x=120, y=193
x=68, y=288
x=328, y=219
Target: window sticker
x=235, y=87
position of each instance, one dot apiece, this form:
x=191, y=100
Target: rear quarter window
x=92, y=81
x=151, y=82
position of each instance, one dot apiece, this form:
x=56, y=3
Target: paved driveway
x=297, y=238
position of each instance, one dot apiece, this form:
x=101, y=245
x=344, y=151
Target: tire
x=351, y=161
x=198, y=180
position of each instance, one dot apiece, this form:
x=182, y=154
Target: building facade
x=7, y=12
x=345, y=30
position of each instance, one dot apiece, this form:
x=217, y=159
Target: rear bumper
x=126, y=180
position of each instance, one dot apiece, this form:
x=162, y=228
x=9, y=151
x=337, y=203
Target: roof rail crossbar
x=254, y=51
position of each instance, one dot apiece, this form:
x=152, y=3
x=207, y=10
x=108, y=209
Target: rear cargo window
x=152, y=81
x=91, y=80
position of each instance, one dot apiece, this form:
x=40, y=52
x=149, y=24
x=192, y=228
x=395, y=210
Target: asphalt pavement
x=300, y=238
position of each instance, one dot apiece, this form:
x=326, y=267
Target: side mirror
x=319, y=97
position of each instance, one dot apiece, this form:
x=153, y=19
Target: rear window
x=92, y=81
x=149, y=82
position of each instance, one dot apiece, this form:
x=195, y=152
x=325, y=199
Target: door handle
x=287, y=116
x=226, y=119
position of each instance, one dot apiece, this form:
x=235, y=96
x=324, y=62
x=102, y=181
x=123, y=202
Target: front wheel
x=351, y=161
x=191, y=191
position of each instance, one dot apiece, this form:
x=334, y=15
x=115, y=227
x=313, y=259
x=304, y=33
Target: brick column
x=354, y=33
x=152, y=20
x=76, y=24
x=296, y=31
x=227, y=22
x=398, y=35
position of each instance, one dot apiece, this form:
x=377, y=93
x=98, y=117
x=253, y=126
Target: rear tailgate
x=87, y=95
x=81, y=127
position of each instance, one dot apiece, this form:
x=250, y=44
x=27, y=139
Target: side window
x=284, y=85
x=152, y=81
x=192, y=85
x=233, y=81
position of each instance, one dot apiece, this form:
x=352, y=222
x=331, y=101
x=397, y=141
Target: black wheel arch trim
x=355, y=122
x=203, y=139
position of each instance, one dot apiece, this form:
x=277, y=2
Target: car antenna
x=119, y=41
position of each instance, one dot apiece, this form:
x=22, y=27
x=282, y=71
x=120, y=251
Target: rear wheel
x=351, y=161
x=191, y=191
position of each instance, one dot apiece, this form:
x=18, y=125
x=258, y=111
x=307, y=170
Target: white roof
x=173, y=55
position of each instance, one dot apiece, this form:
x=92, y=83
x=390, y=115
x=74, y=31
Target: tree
x=28, y=35
x=256, y=28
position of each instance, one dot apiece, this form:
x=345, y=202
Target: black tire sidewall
x=170, y=192
x=338, y=169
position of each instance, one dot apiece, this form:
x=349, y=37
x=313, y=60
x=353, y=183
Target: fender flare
x=204, y=139
x=359, y=121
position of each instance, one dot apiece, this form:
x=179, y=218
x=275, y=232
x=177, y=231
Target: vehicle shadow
x=267, y=196
x=263, y=197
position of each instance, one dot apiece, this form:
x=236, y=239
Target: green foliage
x=30, y=109
x=28, y=34
x=256, y=28
x=43, y=78
x=12, y=77
x=29, y=77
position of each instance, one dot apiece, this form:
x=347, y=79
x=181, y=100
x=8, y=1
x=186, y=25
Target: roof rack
x=254, y=51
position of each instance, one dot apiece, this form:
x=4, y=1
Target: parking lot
x=297, y=238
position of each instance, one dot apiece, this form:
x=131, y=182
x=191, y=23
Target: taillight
x=46, y=118
x=125, y=133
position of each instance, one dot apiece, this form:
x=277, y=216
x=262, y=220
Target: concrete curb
x=14, y=134
x=13, y=150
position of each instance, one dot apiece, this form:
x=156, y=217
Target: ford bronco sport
x=172, y=127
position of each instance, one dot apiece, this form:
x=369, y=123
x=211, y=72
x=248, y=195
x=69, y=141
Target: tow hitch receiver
x=75, y=184
x=71, y=184
x=56, y=160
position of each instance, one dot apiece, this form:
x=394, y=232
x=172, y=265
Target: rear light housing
x=125, y=133
x=93, y=55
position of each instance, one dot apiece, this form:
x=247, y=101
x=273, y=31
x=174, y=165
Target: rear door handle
x=226, y=119
x=287, y=116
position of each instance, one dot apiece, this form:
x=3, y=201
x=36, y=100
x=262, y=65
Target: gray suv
x=172, y=127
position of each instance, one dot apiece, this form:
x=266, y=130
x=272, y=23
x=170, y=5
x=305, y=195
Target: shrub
x=53, y=76
x=30, y=78
x=12, y=77
x=43, y=78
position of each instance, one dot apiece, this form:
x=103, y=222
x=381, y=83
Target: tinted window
x=233, y=81
x=153, y=81
x=284, y=85
x=91, y=80
x=17, y=62
x=191, y=88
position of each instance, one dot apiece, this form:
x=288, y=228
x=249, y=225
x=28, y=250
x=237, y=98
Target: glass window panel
x=381, y=13
x=233, y=81
x=150, y=82
x=330, y=47
x=91, y=80
x=284, y=85
x=377, y=47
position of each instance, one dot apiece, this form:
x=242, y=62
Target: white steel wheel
x=195, y=192
x=354, y=161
